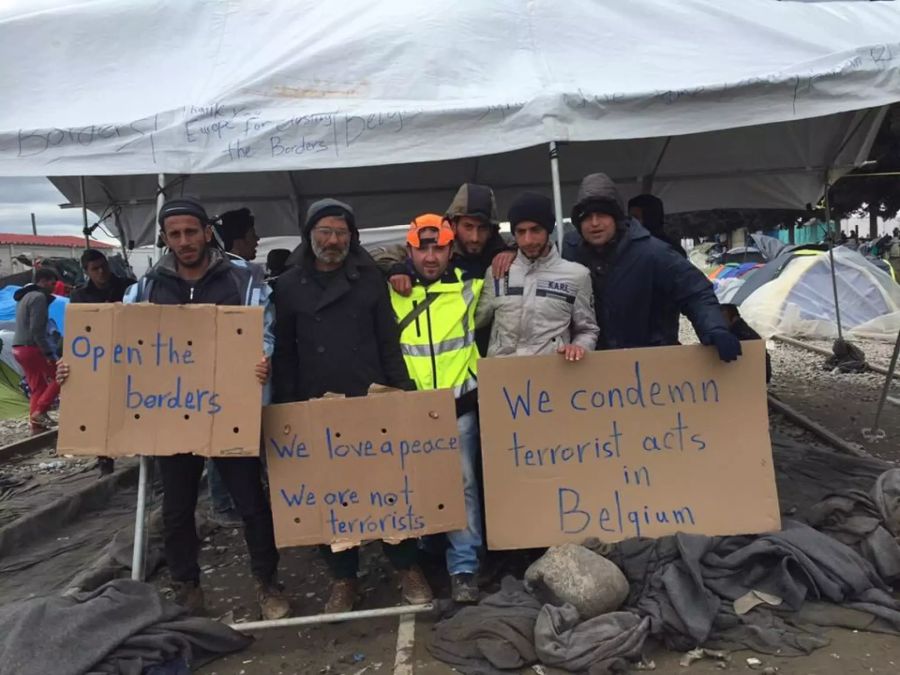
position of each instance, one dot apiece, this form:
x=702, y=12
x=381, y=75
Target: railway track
x=29, y=446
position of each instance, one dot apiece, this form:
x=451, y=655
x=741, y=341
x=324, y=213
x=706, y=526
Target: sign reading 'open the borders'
x=159, y=380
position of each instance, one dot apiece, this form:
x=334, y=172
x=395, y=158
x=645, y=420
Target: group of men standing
x=337, y=322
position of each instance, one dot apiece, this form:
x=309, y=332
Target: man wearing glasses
x=335, y=331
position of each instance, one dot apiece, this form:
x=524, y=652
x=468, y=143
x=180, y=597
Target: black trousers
x=242, y=477
x=345, y=564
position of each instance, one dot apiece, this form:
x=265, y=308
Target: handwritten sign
x=344, y=470
x=628, y=443
x=161, y=379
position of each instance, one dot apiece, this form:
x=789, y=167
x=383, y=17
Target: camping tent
x=793, y=295
x=392, y=105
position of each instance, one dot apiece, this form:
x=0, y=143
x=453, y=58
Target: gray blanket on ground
x=604, y=644
x=120, y=628
x=686, y=584
x=510, y=630
x=867, y=521
x=493, y=636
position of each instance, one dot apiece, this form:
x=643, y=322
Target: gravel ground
x=14, y=430
x=843, y=403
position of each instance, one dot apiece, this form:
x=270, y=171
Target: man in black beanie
x=335, y=332
x=194, y=271
x=543, y=304
x=638, y=279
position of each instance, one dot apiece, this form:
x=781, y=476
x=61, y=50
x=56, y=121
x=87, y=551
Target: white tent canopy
x=392, y=105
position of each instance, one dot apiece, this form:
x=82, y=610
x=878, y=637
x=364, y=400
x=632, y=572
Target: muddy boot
x=41, y=422
x=414, y=586
x=463, y=588
x=273, y=604
x=189, y=595
x=342, y=598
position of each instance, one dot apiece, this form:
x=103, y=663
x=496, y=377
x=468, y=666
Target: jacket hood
x=598, y=187
x=474, y=200
x=29, y=288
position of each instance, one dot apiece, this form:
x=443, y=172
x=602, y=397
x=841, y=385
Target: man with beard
x=196, y=271
x=477, y=245
x=544, y=304
x=641, y=284
x=335, y=332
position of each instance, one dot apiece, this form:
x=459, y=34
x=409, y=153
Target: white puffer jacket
x=538, y=306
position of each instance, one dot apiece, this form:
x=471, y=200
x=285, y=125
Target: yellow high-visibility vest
x=439, y=344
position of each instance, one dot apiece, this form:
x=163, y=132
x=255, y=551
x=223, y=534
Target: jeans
x=40, y=375
x=218, y=493
x=181, y=484
x=465, y=545
x=345, y=564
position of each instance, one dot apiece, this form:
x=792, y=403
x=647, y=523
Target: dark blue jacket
x=641, y=288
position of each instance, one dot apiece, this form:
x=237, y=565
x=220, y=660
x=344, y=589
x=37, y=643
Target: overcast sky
x=19, y=197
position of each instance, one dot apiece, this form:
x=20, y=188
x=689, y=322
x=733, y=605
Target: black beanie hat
x=534, y=207
x=183, y=206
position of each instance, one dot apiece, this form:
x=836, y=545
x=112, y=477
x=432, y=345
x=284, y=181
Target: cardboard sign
x=345, y=470
x=627, y=443
x=161, y=379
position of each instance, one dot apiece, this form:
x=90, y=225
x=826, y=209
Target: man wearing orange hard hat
x=437, y=339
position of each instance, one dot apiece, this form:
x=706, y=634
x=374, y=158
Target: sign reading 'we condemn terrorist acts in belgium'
x=159, y=380
x=627, y=443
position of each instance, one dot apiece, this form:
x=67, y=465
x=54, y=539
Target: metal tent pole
x=87, y=237
x=140, y=516
x=331, y=618
x=137, y=553
x=557, y=195
x=160, y=200
x=834, y=235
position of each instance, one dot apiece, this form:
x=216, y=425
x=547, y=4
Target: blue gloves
x=728, y=346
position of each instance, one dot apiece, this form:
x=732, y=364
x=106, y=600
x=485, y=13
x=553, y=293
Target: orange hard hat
x=429, y=221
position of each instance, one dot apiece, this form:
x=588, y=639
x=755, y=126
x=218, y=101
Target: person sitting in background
x=32, y=348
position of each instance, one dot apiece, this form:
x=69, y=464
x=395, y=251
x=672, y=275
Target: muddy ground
x=843, y=403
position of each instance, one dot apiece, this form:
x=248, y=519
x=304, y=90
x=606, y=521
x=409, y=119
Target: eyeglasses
x=329, y=232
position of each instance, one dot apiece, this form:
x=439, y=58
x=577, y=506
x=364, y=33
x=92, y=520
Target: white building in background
x=35, y=247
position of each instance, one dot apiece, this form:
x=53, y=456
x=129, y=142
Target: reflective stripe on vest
x=439, y=345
